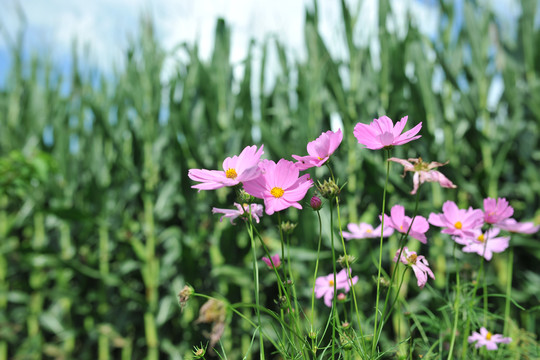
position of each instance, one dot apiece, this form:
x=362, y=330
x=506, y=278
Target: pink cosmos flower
x=487, y=339
x=256, y=212
x=398, y=221
x=275, y=259
x=324, y=285
x=237, y=169
x=418, y=263
x=484, y=244
x=365, y=231
x=319, y=150
x=512, y=225
x=423, y=172
x=496, y=210
x=458, y=222
x=279, y=186
x=382, y=133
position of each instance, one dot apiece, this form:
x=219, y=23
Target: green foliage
x=100, y=229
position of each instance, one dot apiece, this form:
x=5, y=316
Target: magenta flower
x=484, y=244
x=496, y=210
x=237, y=169
x=319, y=150
x=458, y=222
x=418, y=263
x=275, y=259
x=487, y=339
x=398, y=221
x=366, y=231
x=241, y=210
x=315, y=203
x=423, y=172
x=512, y=225
x=324, y=285
x=382, y=133
x=279, y=185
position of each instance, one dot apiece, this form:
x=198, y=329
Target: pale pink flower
x=319, y=150
x=423, y=172
x=487, y=339
x=279, y=186
x=484, y=244
x=237, y=169
x=324, y=285
x=418, y=263
x=458, y=222
x=496, y=210
x=275, y=259
x=256, y=212
x=398, y=221
x=366, y=231
x=382, y=133
x=512, y=225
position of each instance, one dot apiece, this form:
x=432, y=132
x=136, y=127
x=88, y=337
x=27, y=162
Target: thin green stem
x=256, y=284
x=510, y=267
x=334, y=298
x=374, y=342
x=456, y=305
x=312, y=334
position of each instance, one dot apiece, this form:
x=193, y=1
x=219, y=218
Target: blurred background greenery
x=99, y=226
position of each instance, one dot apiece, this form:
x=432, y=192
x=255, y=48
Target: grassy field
x=100, y=228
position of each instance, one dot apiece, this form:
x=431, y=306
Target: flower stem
x=256, y=283
x=374, y=342
x=312, y=331
x=456, y=305
x=334, y=298
x=510, y=267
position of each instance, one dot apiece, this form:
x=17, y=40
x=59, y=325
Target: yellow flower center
x=277, y=192
x=318, y=157
x=369, y=230
x=231, y=174
x=480, y=238
x=458, y=225
x=488, y=335
x=401, y=227
x=412, y=259
x=331, y=282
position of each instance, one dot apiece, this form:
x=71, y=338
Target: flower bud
x=184, y=295
x=328, y=189
x=315, y=203
x=287, y=227
x=343, y=260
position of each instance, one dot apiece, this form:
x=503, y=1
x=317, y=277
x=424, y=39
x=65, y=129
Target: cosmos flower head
x=365, y=231
x=279, y=186
x=275, y=259
x=418, y=263
x=457, y=222
x=319, y=150
x=496, y=211
x=236, y=169
x=400, y=222
x=256, y=211
x=484, y=244
x=487, y=339
x=423, y=172
x=382, y=133
x=324, y=285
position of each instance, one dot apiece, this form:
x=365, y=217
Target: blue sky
x=105, y=26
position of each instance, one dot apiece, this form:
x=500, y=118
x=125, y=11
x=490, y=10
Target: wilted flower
x=366, y=231
x=484, y=244
x=401, y=223
x=324, y=285
x=213, y=311
x=496, y=211
x=458, y=222
x=237, y=169
x=184, y=295
x=381, y=133
x=319, y=150
x=512, y=225
x=423, y=172
x=256, y=211
x=418, y=263
x=275, y=259
x=487, y=339
x=279, y=186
